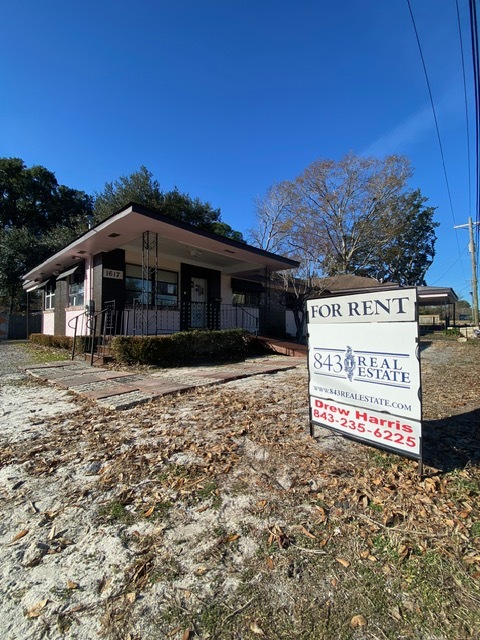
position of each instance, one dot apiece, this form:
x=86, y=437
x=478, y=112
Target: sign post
x=364, y=368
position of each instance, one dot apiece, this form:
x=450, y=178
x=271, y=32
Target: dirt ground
x=214, y=514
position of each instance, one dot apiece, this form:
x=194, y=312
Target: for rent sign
x=364, y=368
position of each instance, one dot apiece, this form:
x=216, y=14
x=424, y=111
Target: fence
x=18, y=326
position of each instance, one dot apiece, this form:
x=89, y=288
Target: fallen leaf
x=201, y=571
x=19, y=535
x=71, y=584
x=231, y=537
x=256, y=629
x=307, y=533
x=131, y=596
x=430, y=485
x=358, y=621
x=149, y=512
x=76, y=608
x=187, y=634
x=343, y=562
x=36, y=610
x=395, y=612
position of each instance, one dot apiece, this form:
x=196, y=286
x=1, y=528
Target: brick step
x=284, y=347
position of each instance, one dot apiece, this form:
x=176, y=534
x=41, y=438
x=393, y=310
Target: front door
x=198, y=308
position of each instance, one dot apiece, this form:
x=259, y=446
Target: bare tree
x=343, y=208
x=278, y=230
x=335, y=218
x=273, y=219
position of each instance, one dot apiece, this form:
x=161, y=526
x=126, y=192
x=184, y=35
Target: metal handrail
x=91, y=325
x=121, y=324
x=256, y=318
x=69, y=324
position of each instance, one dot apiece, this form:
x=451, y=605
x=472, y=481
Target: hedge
x=177, y=349
x=183, y=348
x=59, y=342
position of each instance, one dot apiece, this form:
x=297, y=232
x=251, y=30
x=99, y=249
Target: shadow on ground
x=454, y=442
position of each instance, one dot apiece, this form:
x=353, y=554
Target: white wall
x=82, y=329
x=48, y=322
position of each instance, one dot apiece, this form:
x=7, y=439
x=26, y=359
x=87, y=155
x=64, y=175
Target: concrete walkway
x=123, y=389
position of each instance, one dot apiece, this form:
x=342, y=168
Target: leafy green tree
x=19, y=251
x=141, y=187
x=31, y=197
x=36, y=216
x=410, y=249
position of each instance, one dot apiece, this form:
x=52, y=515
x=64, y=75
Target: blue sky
x=222, y=98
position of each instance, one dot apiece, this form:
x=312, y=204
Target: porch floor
x=123, y=389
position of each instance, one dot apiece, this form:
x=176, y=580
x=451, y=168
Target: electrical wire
x=442, y=155
x=467, y=120
x=450, y=267
x=476, y=78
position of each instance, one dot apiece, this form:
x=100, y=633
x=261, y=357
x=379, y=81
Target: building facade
x=143, y=273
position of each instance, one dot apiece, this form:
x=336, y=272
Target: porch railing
x=92, y=333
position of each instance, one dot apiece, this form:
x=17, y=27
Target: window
x=246, y=293
x=76, y=289
x=49, y=300
x=166, y=294
x=246, y=299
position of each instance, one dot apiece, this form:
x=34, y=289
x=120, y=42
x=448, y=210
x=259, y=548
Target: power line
x=476, y=79
x=436, y=125
x=466, y=110
x=433, y=110
x=450, y=267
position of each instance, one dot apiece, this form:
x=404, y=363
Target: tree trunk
x=300, y=317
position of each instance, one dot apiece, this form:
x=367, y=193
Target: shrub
x=183, y=348
x=55, y=342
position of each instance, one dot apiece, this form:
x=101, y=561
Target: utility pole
x=471, y=247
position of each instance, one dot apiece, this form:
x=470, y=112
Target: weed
x=116, y=512
x=38, y=354
x=385, y=548
x=210, y=491
x=63, y=594
x=162, y=509
x=462, y=486
x=170, y=570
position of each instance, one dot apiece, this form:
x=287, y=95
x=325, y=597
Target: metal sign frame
x=364, y=373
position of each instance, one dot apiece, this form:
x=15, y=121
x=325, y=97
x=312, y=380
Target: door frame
x=213, y=278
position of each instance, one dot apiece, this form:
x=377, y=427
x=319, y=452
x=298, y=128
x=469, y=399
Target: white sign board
x=364, y=367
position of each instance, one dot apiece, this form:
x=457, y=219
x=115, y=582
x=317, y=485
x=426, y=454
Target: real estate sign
x=364, y=368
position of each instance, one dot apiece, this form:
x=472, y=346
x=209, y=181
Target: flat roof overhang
x=433, y=296
x=175, y=239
